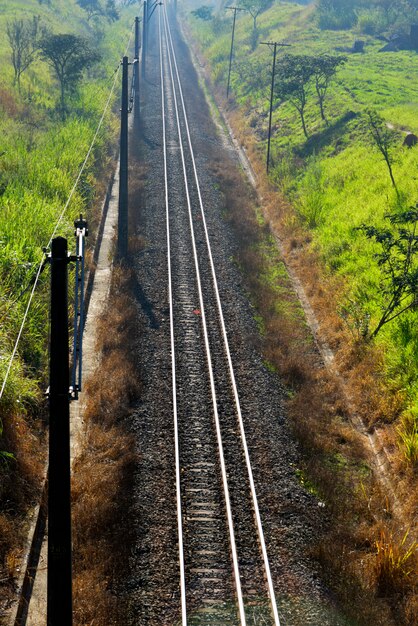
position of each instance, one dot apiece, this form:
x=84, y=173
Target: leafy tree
x=254, y=8
x=98, y=8
x=68, y=55
x=398, y=260
x=324, y=69
x=254, y=74
x=384, y=139
x=204, y=13
x=337, y=13
x=294, y=75
x=23, y=35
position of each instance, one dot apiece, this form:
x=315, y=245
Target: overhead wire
x=60, y=218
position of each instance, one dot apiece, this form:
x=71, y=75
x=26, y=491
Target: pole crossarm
x=275, y=43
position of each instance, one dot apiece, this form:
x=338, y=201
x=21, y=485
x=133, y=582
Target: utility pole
x=136, y=69
x=123, y=166
x=275, y=45
x=234, y=9
x=59, y=585
x=144, y=38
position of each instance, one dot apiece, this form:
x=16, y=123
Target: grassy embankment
x=328, y=185
x=40, y=156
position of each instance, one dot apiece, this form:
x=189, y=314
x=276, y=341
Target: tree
x=97, y=8
x=336, y=14
x=204, y=13
x=294, y=75
x=398, y=261
x=23, y=37
x=254, y=8
x=68, y=55
x=324, y=69
x=385, y=139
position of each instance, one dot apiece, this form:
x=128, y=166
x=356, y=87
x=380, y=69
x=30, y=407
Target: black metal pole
x=144, y=38
x=271, y=105
x=59, y=585
x=123, y=170
x=231, y=52
x=136, y=69
x=136, y=38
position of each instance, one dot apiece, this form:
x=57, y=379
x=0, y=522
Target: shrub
x=371, y=22
x=408, y=433
x=394, y=564
x=311, y=197
x=336, y=14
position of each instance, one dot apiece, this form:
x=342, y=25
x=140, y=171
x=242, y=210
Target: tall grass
x=395, y=564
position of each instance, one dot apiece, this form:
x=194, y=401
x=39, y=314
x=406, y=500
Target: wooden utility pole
x=274, y=45
x=234, y=9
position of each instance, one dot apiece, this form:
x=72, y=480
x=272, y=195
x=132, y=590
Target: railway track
x=224, y=571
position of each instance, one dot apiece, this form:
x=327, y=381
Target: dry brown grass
x=396, y=566
x=20, y=488
x=8, y=103
x=102, y=474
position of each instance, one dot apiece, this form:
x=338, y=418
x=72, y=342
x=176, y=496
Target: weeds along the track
x=336, y=462
x=103, y=471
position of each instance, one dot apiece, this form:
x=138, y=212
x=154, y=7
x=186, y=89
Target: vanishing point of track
x=223, y=561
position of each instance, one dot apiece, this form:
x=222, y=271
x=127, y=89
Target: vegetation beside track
x=321, y=189
x=103, y=473
x=336, y=180
x=41, y=151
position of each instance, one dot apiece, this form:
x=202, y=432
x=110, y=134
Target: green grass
x=336, y=180
x=41, y=157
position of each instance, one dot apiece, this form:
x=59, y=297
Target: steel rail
x=172, y=344
x=227, y=348
x=228, y=506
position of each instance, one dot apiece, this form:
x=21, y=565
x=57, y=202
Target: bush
x=334, y=20
x=371, y=22
x=311, y=197
x=337, y=14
